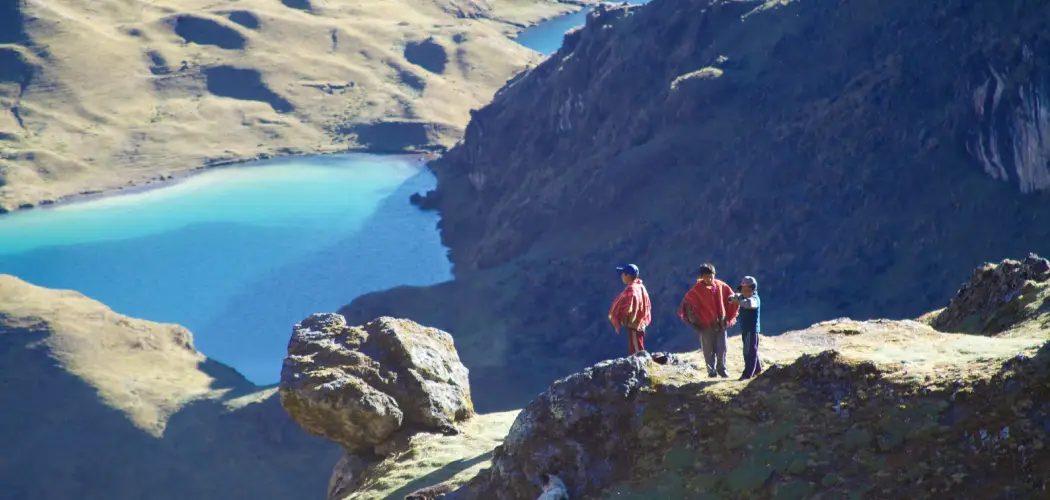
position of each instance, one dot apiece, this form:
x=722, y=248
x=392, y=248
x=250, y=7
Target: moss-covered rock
x=844, y=409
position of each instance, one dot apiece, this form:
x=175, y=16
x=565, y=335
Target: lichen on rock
x=581, y=429
x=359, y=386
x=996, y=297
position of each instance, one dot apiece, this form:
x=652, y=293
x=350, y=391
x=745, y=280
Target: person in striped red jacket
x=631, y=309
x=707, y=309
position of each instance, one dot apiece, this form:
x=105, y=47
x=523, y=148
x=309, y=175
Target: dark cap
x=628, y=269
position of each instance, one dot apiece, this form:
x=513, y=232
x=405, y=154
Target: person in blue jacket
x=750, y=321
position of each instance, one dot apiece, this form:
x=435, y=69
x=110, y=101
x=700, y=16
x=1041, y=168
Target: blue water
x=547, y=37
x=239, y=255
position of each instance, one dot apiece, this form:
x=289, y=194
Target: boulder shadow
x=441, y=475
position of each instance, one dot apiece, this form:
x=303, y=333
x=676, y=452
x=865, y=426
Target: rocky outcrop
x=372, y=389
x=579, y=429
x=821, y=146
x=997, y=297
x=844, y=409
x=358, y=386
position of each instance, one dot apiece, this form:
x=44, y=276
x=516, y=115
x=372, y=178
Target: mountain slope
x=838, y=151
x=954, y=404
x=101, y=406
x=101, y=94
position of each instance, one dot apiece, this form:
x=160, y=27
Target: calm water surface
x=239, y=255
x=547, y=36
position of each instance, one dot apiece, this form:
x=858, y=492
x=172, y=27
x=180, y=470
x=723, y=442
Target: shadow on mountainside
x=12, y=29
x=15, y=63
x=61, y=441
x=818, y=146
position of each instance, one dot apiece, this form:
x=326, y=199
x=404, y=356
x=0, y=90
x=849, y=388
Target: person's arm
x=617, y=315
x=614, y=314
x=732, y=309
x=636, y=311
x=747, y=303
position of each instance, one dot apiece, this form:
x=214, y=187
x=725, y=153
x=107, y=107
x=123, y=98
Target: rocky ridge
x=844, y=409
x=124, y=409
x=823, y=147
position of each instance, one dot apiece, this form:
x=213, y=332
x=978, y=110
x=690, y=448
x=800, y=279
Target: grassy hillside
x=103, y=94
x=97, y=405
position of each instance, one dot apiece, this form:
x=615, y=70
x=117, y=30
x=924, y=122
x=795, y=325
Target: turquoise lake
x=547, y=36
x=238, y=255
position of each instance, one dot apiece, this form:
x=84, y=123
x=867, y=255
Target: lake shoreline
x=428, y=151
x=170, y=180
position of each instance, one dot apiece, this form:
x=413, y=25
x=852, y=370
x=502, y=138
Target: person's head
x=707, y=273
x=628, y=273
x=748, y=286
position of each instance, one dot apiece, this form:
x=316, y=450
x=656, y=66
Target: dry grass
x=146, y=370
x=908, y=349
x=99, y=95
x=434, y=459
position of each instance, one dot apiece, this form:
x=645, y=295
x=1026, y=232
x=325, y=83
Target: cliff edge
x=856, y=156
x=953, y=404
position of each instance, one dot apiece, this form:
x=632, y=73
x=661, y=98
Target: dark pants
x=713, y=343
x=752, y=364
x=635, y=341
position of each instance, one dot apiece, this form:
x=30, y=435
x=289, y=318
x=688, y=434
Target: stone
x=575, y=432
x=360, y=385
x=988, y=302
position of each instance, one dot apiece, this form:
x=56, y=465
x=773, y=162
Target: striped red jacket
x=631, y=308
x=708, y=304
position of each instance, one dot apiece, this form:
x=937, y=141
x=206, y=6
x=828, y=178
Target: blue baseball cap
x=628, y=269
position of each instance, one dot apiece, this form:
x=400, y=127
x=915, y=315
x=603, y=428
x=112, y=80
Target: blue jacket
x=750, y=316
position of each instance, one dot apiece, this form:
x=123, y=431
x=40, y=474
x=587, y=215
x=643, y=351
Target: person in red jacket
x=707, y=309
x=631, y=309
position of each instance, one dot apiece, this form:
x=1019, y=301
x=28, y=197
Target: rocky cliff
x=839, y=151
x=955, y=404
x=104, y=94
x=394, y=395
x=97, y=405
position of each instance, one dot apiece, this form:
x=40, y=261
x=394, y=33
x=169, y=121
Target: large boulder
x=581, y=430
x=996, y=297
x=360, y=385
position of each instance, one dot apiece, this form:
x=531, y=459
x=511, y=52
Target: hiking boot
x=723, y=374
x=711, y=374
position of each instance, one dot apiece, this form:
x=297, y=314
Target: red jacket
x=631, y=308
x=709, y=303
